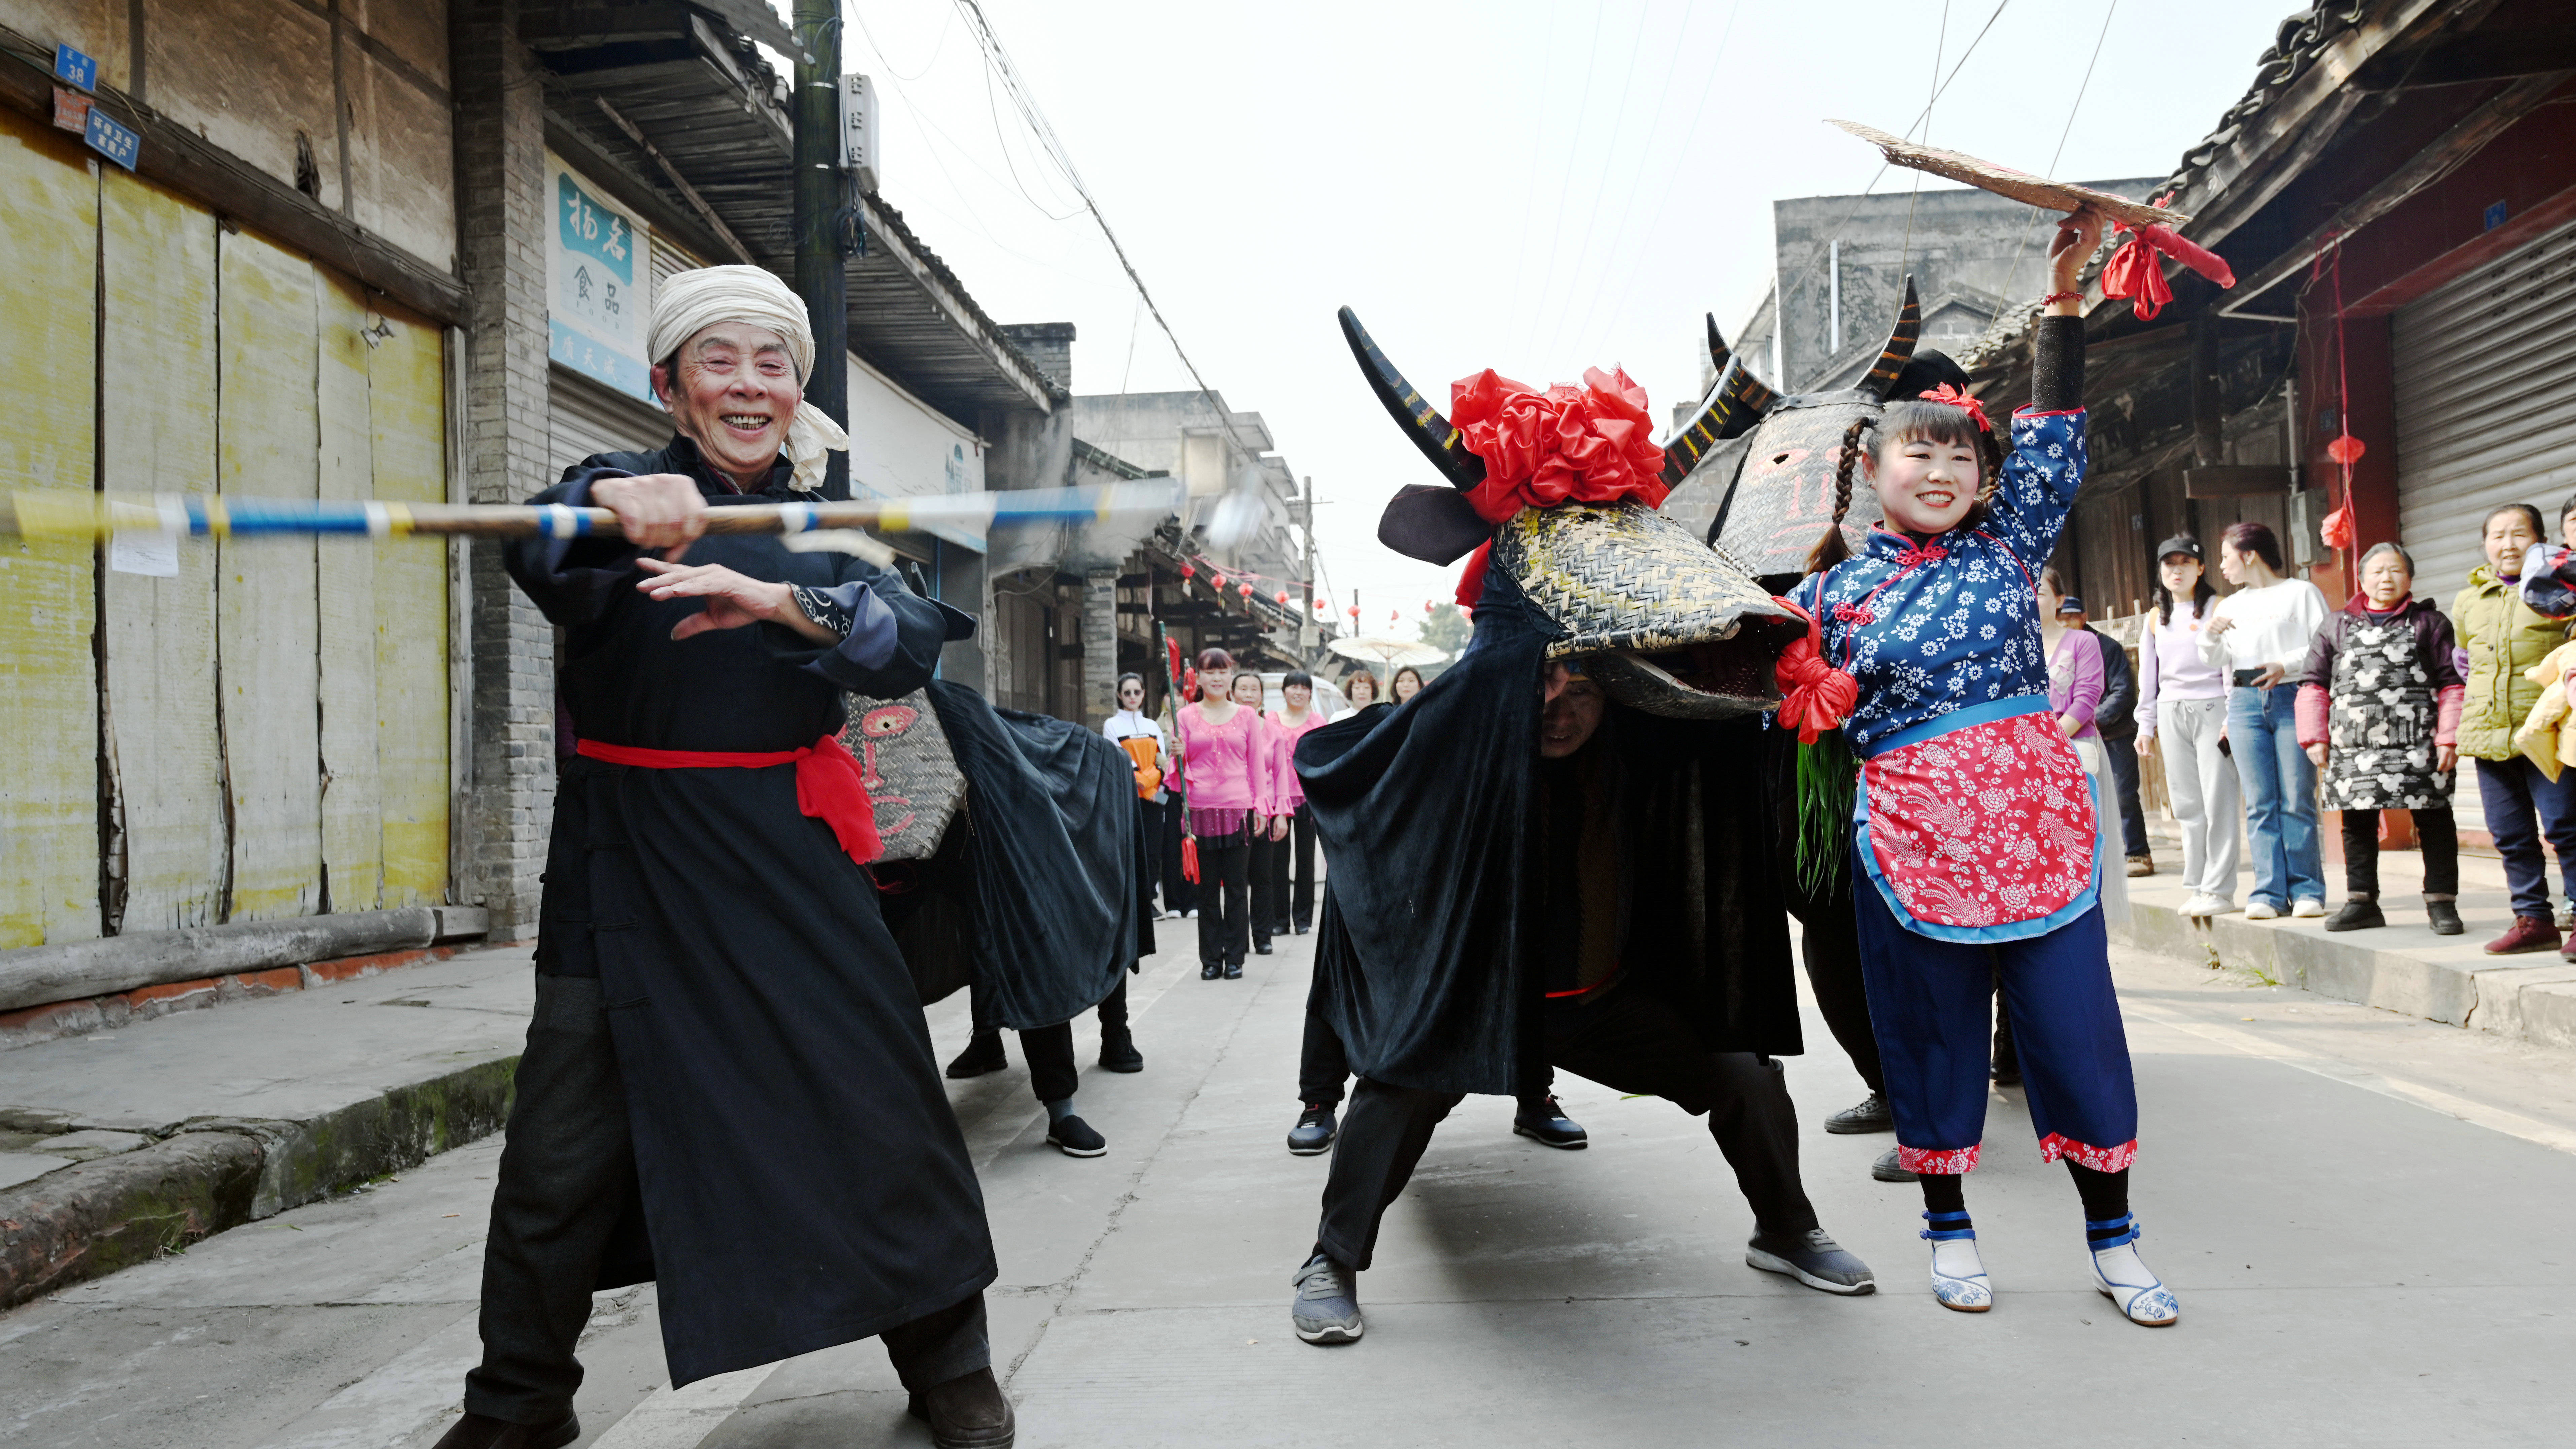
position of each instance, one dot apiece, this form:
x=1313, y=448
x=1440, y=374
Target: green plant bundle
x=1826, y=776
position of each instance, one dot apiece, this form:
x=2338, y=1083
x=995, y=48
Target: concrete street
x=2363, y=1215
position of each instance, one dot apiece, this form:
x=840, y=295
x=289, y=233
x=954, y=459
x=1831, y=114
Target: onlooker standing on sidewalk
x=1133, y=730
x=1268, y=827
x=2075, y=693
x=2116, y=720
x=2504, y=638
x=2182, y=701
x=2260, y=634
x=1225, y=752
x=1293, y=905
x=2380, y=714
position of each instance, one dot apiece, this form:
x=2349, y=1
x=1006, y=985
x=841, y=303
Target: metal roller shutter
x=585, y=418
x=2486, y=405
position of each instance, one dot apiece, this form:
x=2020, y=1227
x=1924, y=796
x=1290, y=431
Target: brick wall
x=502, y=212
x=1099, y=645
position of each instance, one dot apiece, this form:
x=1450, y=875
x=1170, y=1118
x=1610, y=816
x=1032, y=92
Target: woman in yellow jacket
x=2504, y=638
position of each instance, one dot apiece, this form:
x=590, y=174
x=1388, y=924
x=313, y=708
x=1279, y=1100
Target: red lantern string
x=2336, y=530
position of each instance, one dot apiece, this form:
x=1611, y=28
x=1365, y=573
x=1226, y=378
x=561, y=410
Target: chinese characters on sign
x=111, y=140
x=75, y=69
x=597, y=275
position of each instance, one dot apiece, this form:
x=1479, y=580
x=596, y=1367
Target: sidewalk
x=2401, y=967
x=121, y=1146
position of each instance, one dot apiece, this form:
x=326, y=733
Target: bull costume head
x=1771, y=459
x=1665, y=625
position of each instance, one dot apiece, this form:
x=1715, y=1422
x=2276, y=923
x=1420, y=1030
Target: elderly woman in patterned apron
x=1975, y=845
x=2380, y=715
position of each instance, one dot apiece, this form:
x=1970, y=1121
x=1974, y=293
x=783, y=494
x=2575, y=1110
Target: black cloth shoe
x=1261, y=946
x=1315, y=1130
x=1545, y=1122
x=1871, y=1115
x=1303, y=927
x=1210, y=970
x=482, y=1431
x=1074, y=1138
x=2360, y=913
x=983, y=1054
x=1118, y=1052
x=1234, y=970
x=967, y=1412
x=2446, y=917
x=1813, y=1259
x=1888, y=1169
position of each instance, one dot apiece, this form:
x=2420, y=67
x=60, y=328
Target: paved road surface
x=2365, y=1217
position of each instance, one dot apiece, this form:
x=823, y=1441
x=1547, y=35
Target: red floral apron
x=1979, y=826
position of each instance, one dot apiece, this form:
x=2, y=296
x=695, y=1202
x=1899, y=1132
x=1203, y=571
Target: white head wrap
x=693, y=301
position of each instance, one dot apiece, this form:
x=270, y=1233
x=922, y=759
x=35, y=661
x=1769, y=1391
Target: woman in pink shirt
x=1226, y=756
x=1290, y=725
x=1269, y=829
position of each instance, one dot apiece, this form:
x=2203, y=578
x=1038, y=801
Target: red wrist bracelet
x=2053, y=298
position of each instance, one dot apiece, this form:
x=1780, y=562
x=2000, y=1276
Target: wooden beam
x=2445, y=155
x=679, y=182
x=184, y=161
x=2481, y=55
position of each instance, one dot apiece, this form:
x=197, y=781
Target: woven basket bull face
x=1664, y=624
x=911, y=774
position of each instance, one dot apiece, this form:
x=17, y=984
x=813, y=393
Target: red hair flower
x=1588, y=444
x=1967, y=402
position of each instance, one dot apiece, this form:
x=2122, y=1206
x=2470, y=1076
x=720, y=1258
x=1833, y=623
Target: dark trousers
x=1149, y=823
x=1180, y=893
x=1268, y=868
x=1049, y=1049
x=2523, y=807
x=1225, y=906
x=565, y=1213
x=1629, y=1042
x=1933, y=1003
x=1829, y=943
x=2435, y=828
x=1291, y=877
x=1322, y=1068
x=2123, y=757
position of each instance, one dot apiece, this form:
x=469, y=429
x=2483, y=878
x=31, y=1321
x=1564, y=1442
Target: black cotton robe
x=1428, y=958
x=802, y=1178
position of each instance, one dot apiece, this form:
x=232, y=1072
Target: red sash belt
x=828, y=784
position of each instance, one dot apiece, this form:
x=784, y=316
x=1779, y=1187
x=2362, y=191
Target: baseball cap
x=2178, y=544
x=2069, y=604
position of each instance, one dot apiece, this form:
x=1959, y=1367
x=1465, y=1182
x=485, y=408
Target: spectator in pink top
x=1226, y=766
x=1291, y=724
x=1269, y=827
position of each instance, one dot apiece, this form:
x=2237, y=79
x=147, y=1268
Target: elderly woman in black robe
x=728, y=1085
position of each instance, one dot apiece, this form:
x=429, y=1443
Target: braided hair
x=1833, y=548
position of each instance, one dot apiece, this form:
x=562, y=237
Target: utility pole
x=825, y=223
x=1306, y=631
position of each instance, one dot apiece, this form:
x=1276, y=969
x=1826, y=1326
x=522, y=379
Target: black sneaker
x=1074, y=1138
x=1315, y=1130
x=1545, y=1123
x=1234, y=971
x=1118, y=1052
x=1327, y=1306
x=2360, y=913
x=1811, y=1258
x=1303, y=928
x=1870, y=1116
x=1888, y=1169
x=1261, y=946
x=2445, y=916
x=1210, y=970
x=983, y=1054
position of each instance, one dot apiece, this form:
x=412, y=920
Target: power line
x=1565, y=180
x=2053, y=156
x=1592, y=213
x=1940, y=43
x=1663, y=95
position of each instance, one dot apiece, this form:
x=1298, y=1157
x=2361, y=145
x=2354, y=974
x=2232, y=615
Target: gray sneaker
x=1327, y=1306
x=1813, y=1259
x=1890, y=1168
x=1872, y=1115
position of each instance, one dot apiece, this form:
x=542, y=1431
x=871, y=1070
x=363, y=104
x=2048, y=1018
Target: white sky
x=1532, y=187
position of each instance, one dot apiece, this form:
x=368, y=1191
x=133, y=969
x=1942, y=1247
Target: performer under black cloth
x=728, y=1086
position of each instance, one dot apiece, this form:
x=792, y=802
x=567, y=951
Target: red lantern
x=2346, y=450
x=1354, y=612
x=1244, y=589
x=1217, y=582
x=1429, y=604
x=1283, y=596
x=1189, y=571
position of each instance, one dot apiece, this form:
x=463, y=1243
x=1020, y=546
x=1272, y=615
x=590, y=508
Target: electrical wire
x=2053, y=157
x=1592, y=213
x=1940, y=43
x=1565, y=181
x=1619, y=232
x=1654, y=226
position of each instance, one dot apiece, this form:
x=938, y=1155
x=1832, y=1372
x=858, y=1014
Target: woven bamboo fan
x=2059, y=196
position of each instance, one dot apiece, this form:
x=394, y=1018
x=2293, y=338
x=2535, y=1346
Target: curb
x=93, y=1218
x=2530, y=997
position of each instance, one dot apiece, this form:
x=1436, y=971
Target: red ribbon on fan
x=2134, y=271
x=1814, y=696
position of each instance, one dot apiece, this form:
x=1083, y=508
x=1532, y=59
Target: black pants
x=1322, y=1068
x=566, y=1216
x=1268, y=867
x=2437, y=829
x=1180, y=893
x=1225, y=907
x=1149, y=822
x=1630, y=1042
x=1292, y=894
x=2123, y=757
x=1829, y=943
x=1049, y=1049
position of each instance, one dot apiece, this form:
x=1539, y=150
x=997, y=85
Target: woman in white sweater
x=2182, y=706
x=2260, y=636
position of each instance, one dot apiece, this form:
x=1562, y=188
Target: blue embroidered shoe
x=2125, y=1279
x=1958, y=1274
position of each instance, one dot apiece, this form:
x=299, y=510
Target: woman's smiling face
x=1926, y=487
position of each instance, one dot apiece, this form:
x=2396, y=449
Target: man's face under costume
x=1570, y=714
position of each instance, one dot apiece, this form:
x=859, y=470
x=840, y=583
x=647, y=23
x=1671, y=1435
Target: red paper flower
x=2346, y=450
x=1965, y=402
x=1588, y=444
